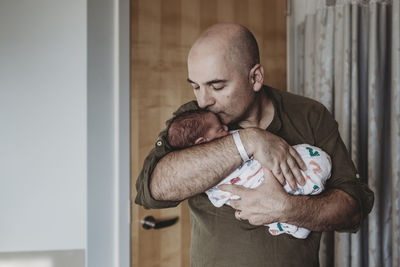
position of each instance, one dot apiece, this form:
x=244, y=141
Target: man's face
x=216, y=128
x=220, y=87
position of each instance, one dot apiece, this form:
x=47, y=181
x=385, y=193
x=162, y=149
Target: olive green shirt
x=217, y=238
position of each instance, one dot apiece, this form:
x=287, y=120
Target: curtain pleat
x=355, y=239
x=324, y=64
x=395, y=132
x=309, y=48
x=299, y=81
x=349, y=60
x=342, y=106
x=375, y=142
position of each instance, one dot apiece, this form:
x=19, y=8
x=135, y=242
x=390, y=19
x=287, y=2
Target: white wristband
x=239, y=146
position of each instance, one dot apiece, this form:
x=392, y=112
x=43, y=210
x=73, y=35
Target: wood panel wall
x=162, y=32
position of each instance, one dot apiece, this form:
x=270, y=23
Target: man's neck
x=261, y=114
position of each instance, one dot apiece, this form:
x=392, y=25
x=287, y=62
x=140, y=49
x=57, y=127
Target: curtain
x=348, y=58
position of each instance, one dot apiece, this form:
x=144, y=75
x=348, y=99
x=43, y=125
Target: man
x=227, y=79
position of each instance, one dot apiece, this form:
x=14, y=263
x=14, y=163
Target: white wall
x=64, y=130
x=108, y=133
x=43, y=125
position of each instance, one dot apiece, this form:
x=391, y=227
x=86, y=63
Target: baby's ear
x=199, y=140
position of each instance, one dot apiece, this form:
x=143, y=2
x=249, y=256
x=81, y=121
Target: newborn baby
x=199, y=126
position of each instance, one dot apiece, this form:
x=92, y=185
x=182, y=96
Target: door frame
x=108, y=133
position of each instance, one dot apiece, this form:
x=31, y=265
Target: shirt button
x=159, y=143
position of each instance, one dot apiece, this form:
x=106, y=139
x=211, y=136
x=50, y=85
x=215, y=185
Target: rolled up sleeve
x=344, y=175
x=161, y=148
x=144, y=197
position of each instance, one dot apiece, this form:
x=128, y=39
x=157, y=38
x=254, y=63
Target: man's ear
x=257, y=77
x=199, y=140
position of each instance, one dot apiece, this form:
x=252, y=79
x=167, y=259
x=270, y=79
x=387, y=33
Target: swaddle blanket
x=250, y=175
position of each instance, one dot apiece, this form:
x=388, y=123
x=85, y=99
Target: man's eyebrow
x=209, y=82
x=216, y=81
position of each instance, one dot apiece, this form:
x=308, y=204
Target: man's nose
x=204, y=98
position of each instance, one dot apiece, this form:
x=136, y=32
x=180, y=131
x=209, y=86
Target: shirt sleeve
x=344, y=174
x=161, y=148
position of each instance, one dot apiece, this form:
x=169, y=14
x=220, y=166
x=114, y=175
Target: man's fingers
x=253, y=218
x=234, y=189
x=296, y=171
x=298, y=159
x=257, y=219
x=277, y=172
x=237, y=215
x=268, y=174
x=289, y=176
x=242, y=215
x=299, y=177
x=271, y=182
x=236, y=204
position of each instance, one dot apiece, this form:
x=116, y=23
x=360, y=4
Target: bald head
x=235, y=42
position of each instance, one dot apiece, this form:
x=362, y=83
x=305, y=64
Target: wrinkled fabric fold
x=349, y=60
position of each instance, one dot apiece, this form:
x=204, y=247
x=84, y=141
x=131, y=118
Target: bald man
x=227, y=78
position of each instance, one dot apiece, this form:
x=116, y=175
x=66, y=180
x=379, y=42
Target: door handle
x=150, y=223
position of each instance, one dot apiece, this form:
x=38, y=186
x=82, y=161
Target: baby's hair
x=187, y=127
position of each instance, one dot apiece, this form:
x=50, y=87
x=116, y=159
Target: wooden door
x=162, y=32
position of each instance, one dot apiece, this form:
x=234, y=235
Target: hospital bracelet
x=239, y=146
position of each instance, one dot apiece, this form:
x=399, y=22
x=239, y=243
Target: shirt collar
x=276, y=123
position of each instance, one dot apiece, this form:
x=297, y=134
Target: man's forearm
x=332, y=210
x=188, y=172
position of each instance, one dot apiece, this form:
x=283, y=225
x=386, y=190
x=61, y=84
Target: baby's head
x=195, y=127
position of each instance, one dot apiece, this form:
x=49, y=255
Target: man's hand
x=267, y=203
x=264, y=204
x=275, y=155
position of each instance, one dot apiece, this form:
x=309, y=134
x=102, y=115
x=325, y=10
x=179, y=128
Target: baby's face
x=216, y=128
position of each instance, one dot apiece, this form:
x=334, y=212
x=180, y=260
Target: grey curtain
x=349, y=59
